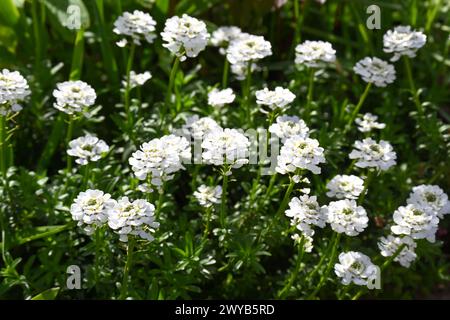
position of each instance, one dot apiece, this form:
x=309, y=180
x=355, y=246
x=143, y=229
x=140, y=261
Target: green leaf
x=49, y=294
x=9, y=15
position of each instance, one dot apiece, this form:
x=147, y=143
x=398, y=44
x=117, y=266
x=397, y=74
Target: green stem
x=87, y=169
x=413, y=87
x=223, y=204
x=270, y=187
x=226, y=69
x=366, y=186
x=323, y=257
x=98, y=236
x=159, y=204
x=358, y=106
x=126, y=271
x=3, y=155
x=68, y=138
x=301, y=250
x=248, y=83
x=208, y=220
x=310, y=93
x=127, y=87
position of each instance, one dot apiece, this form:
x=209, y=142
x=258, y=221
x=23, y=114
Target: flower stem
x=3, y=150
x=413, y=87
x=173, y=74
x=160, y=202
x=68, y=138
x=98, y=239
x=358, y=106
x=310, y=94
x=127, y=87
x=208, y=220
x=366, y=186
x=223, y=204
x=126, y=271
x=322, y=258
x=87, y=169
x=226, y=69
x=301, y=250
x=248, y=83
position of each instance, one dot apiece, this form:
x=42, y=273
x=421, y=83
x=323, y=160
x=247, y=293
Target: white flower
x=185, y=36
x=90, y=209
x=375, y=71
x=73, y=96
x=288, y=126
x=415, y=221
x=304, y=212
x=300, y=153
x=307, y=241
x=431, y=197
x=240, y=69
x=13, y=88
x=157, y=160
x=219, y=98
x=225, y=146
x=137, y=79
x=403, y=41
x=223, y=36
x=355, y=267
x=314, y=53
x=345, y=186
x=388, y=246
x=369, y=153
x=274, y=99
x=132, y=218
x=137, y=25
x=87, y=148
x=207, y=196
x=248, y=48
x=368, y=122
x=199, y=127
x=345, y=216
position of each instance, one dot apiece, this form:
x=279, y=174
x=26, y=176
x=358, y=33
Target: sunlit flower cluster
x=137, y=26
x=73, y=96
x=371, y=154
x=376, y=71
x=402, y=41
x=87, y=149
x=13, y=89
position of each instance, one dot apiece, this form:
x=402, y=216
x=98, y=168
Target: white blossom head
x=87, y=149
x=225, y=146
x=137, y=79
x=372, y=154
x=376, y=71
x=248, y=48
x=185, y=36
x=307, y=241
x=198, y=127
x=355, y=267
x=137, y=26
x=288, y=126
x=314, y=54
x=13, y=89
x=218, y=98
x=135, y=218
x=208, y=196
x=415, y=221
x=345, y=216
x=431, y=197
x=90, y=209
x=345, y=186
x=304, y=213
x=240, y=69
x=73, y=96
x=390, y=245
x=279, y=98
x=300, y=153
x=402, y=41
x=368, y=122
x=223, y=36
x=157, y=160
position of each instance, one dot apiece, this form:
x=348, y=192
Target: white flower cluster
x=430, y=197
x=157, y=160
x=133, y=218
x=415, y=221
x=218, y=98
x=345, y=186
x=248, y=48
x=90, y=209
x=368, y=122
x=13, y=88
x=87, y=148
x=355, y=267
x=376, y=71
x=305, y=212
x=199, y=127
x=314, y=54
x=274, y=99
x=225, y=146
x=402, y=41
x=240, y=70
x=137, y=79
x=185, y=36
x=300, y=153
x=307, y=241
x=223, y=36
x=73, y=96
x=345, y=216
x=369, y=153
x=137, y=25
x=208, y=196
x=390, y=245
x=288, y=126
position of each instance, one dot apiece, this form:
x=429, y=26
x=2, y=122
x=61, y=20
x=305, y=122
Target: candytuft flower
x=137, y=25
x=90, y=209
x=288, y=126
x=355, y=267
x=372, y=154
x=135, y=218
x=314, y=54
x=73, y=96
x=304, y=213
x=199, y=127
x=185, y=36
x=430, y=197
x=402, y=41
x=345, y=186
x=248, y=48
x=87, y=148
x=415, y=221
x=223, y=36
x=137, y=79
x=208, y=196
x=345, y=216
x=219, y=98
x=13, y=89
x=376, y=71
x=274, y=99
x=389, y=246
x=368, y=122
x=307, y=241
